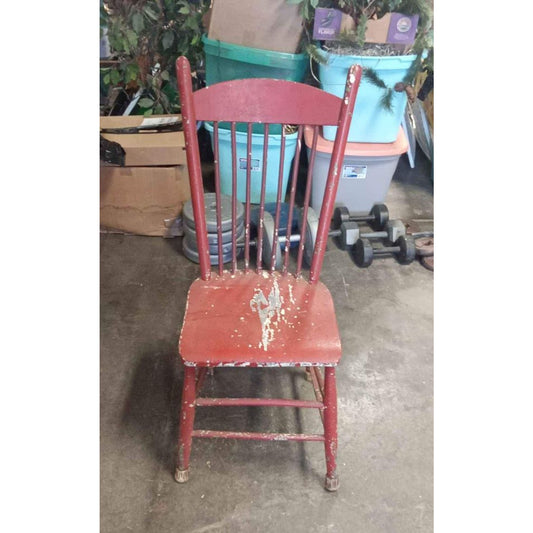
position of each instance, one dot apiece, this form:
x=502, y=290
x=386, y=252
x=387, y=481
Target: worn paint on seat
x=259, y=320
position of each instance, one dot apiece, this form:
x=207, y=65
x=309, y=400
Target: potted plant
x=389, y=68
x=146, y=37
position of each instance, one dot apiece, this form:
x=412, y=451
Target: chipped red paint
x=193, y=162
x=200, y=377
x=266, y=402
x=209, y=434
x=223, y=324
x=217, y=196
x=332, y=182
x=319, y=392
x=320, y=381
x=186, y=418
x=266, y=101
x=330, y=422
x=262, y=319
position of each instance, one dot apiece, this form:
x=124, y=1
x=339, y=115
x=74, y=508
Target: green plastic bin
x=226, y=61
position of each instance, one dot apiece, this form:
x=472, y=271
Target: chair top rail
x=263, y=100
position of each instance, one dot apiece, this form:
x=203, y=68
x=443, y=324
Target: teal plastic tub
x=226, y=61
x=274, y=151
x=371, y=123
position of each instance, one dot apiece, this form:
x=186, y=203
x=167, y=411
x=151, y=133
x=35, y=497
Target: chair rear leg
x=330, y=428
x=188, y=397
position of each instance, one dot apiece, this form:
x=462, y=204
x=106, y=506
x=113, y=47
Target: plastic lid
x=399, y=146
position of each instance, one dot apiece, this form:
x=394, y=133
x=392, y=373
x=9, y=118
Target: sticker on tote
x=355, y=172
x=255, y=164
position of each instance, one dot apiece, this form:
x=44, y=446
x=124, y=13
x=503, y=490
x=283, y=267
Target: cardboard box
x=146, y=149
x=265, y=24
x=143, y=200
x=146, y=196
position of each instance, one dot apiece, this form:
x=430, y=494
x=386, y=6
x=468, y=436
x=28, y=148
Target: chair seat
x=265, y=319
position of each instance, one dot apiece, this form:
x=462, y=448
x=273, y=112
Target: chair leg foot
x=332, y=483
x=181, y=476
x=330, y=428
x=186, y=425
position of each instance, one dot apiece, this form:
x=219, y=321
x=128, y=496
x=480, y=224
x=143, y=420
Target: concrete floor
x=385, y=386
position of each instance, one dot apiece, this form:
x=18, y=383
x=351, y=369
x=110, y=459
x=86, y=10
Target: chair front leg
x=330, y=428
x=188, y=398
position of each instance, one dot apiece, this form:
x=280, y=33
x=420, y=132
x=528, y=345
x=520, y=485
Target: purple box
x=402, y=28
x=327, y=24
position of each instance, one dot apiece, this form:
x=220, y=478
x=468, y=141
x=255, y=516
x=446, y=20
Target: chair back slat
x=275, y=241
x=305, y=208
x=217, y=197
x=247, y=206
x=261, y=217
x=233, y=198
x=272, y=104
x=292, y=197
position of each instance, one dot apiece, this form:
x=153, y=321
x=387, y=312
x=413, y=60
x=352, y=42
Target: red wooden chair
x=247, y=316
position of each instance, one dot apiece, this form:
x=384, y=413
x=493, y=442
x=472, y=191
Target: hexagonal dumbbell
x=349, y=232
x=404, y=249
x=378, y=216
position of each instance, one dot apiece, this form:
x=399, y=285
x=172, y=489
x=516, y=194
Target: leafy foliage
x=147, y=36
x=363, y=10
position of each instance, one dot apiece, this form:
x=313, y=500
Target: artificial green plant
x=353, y=41
x=146, y=37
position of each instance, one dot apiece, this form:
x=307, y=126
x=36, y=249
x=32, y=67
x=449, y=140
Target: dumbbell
x=349, y=232
x=404, y=249
x=347, y=235
x=268, y=237
x=378, y=216
x=311, y=229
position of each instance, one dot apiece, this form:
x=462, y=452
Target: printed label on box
x=327, y=24
x=256, y=164
x=356, y=172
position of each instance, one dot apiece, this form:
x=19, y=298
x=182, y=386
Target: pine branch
x=413, y=70
x=386, y=100
x=372, y=76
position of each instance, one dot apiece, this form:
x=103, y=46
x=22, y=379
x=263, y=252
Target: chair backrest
x=272, y=105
